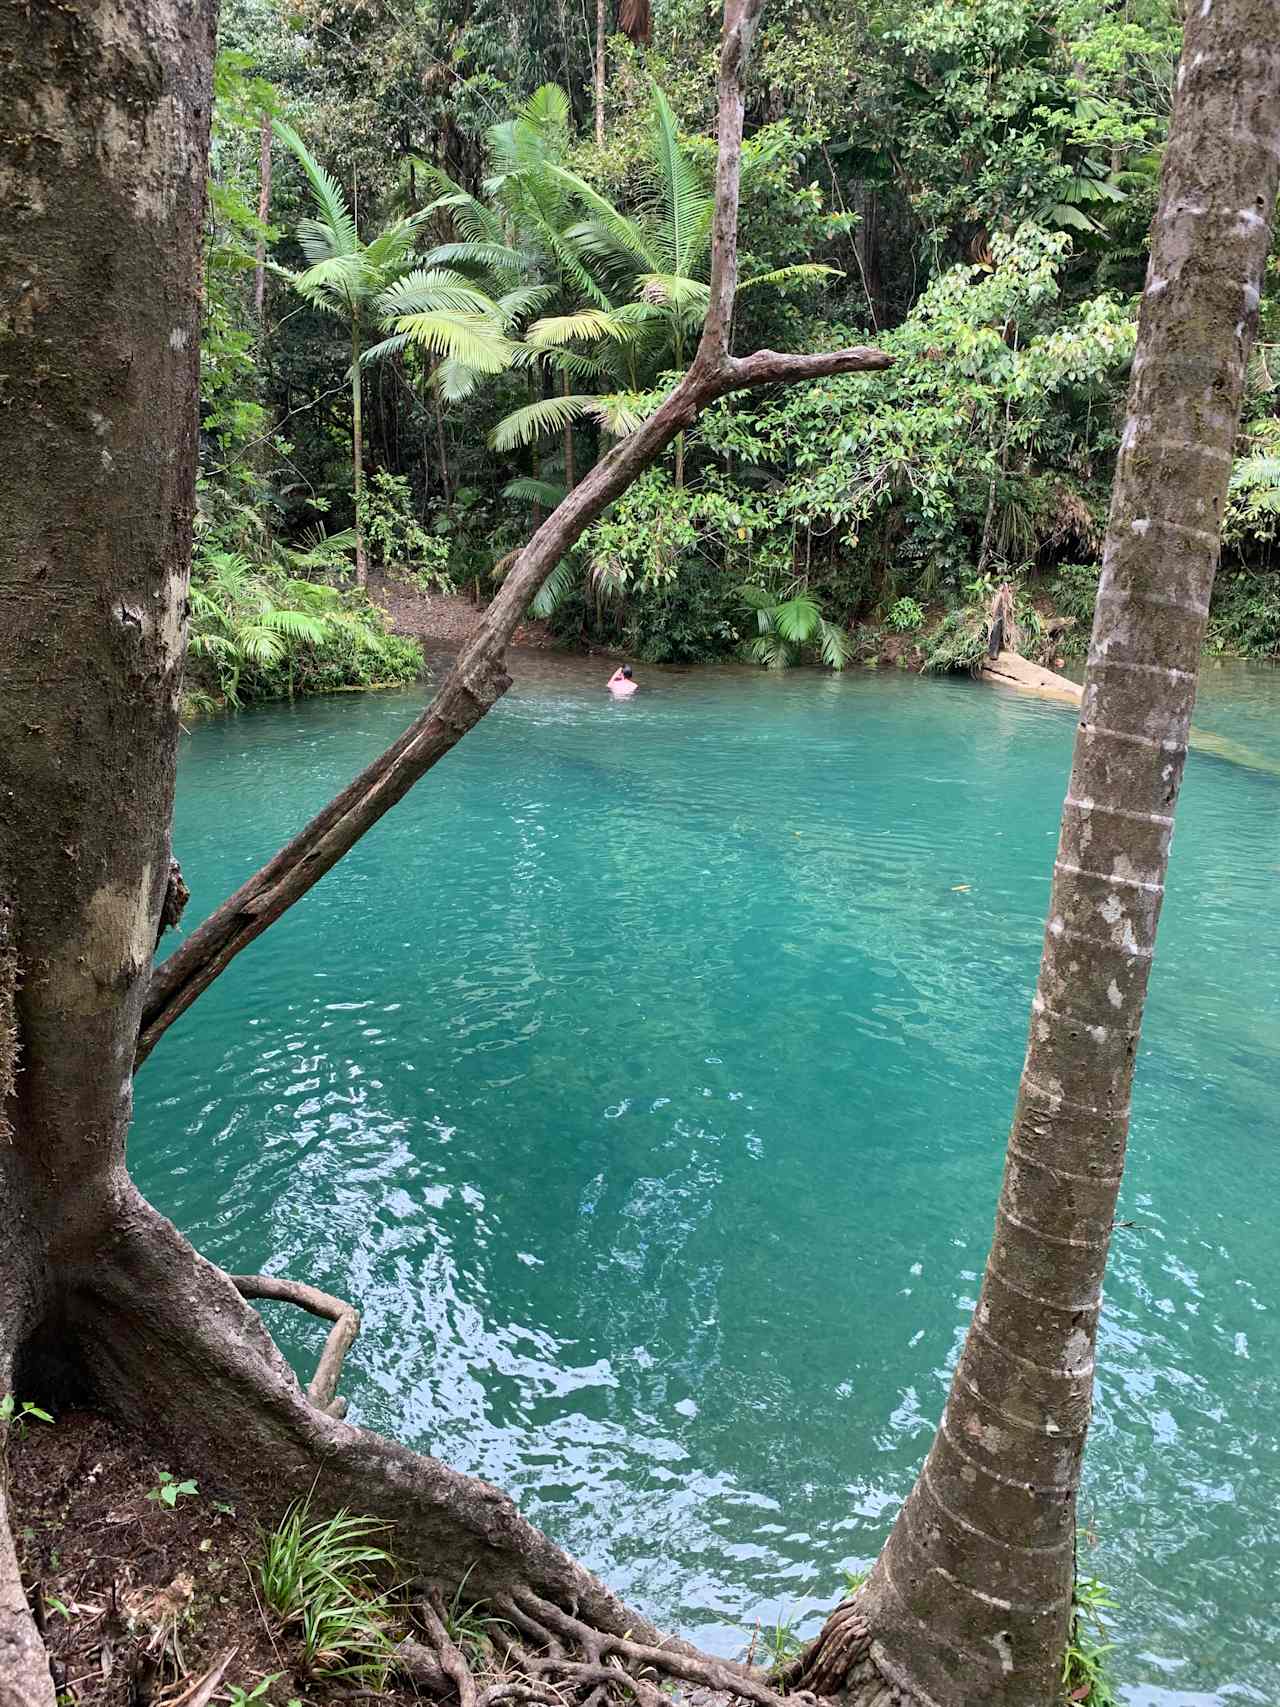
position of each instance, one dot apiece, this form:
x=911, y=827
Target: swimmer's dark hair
x=626, y=670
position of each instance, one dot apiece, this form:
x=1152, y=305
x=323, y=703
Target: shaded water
x=644, y=1078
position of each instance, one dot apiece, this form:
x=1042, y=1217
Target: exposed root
x=841, y=1661
x=555, y=1629
x=323, y=1388
x=452, y=1661
x=174, y=1349
x=25, y=1678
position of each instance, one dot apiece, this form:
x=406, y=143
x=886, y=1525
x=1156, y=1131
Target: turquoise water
x=644, y=1078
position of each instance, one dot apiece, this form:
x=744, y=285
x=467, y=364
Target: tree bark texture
x=102, y=164
x=602, y=16
x=264, y=211
x=970, y=1599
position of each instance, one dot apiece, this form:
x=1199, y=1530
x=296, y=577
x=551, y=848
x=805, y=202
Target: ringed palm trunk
x=570, y=478
x=601, y=20
x=970, y=1600
x=357, y=454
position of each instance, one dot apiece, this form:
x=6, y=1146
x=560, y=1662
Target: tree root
x=842, y=1661
x=25, y=1678
x=169, y=1345
x=323, y=1387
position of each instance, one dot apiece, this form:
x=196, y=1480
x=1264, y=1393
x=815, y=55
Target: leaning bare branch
x=323, y=1387
x=478, y=678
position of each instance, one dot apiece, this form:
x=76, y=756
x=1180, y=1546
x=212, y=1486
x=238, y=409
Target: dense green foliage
x=967, y=185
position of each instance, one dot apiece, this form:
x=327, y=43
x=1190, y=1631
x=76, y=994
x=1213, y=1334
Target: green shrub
x=256, y=633
x=906, y=616
x=397, y=539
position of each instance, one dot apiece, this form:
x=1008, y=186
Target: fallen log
x=1010, y=671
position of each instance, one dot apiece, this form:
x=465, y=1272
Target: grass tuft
x=321, y=1578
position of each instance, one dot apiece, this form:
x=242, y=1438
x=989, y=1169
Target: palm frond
x=769, y=650
x=470, y=216
x=471, y=339
x=673, y=290
x=293, y=624
x=807, y=271
x=529, y=491
x=687, y=203
x=536, y=420
x=513, y=305
x=834, y=645
x=585, y=324
x=797, y=619
x=385, y=347
x=626, y=233
x=547, y=109
x=329, y=199
x=473, y=252
x=433, y=291
x=555, y=588
x=343, y=280
x=453, y=381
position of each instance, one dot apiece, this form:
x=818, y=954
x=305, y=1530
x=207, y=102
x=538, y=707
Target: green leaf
x=536, y=420
x=529, y=491
x=585, y=324
x=555, y=588
x=334, y=218
x=797, y=619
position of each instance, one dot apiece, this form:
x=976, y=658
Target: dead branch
x=478, y=679
x=323, y=1387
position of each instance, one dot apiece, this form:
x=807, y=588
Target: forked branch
x=478, y=679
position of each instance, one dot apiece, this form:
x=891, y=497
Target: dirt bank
x=444, y=617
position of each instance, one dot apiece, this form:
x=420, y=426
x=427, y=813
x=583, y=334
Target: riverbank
x=445, y=618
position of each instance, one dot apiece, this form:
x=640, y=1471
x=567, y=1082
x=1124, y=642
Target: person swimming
x=620, y=683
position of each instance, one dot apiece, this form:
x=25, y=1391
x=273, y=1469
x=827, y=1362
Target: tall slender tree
x=971, y=1597
x=366, y=284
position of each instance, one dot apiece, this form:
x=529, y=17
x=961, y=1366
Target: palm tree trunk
x=971, y=1598
x=601, y=18
x=441, y=451
x=357, y=456
x=264, y=208
x=569, y=478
